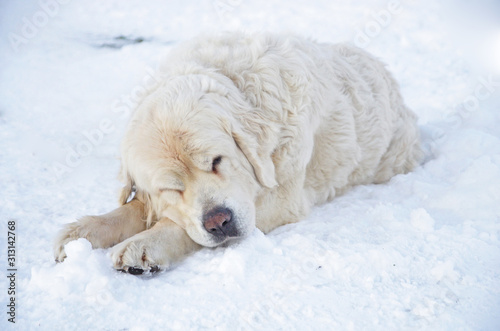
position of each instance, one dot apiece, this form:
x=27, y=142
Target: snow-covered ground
x=420, y=252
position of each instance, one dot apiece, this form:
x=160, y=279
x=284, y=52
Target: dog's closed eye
x=216, y=161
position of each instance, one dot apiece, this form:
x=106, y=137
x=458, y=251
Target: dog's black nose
x=219, y=222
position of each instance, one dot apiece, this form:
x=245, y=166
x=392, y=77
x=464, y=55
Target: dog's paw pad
x=135, y=271
x=154, y=269
x=139, y=271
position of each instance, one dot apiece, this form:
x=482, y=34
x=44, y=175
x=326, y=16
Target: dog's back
x=368, y=135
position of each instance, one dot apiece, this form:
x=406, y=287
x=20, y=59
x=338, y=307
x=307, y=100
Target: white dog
x=248, y=131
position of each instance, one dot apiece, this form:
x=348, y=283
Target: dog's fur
x=250, y=129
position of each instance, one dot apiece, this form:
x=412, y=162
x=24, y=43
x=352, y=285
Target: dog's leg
x=103, y=231
x=154, y=249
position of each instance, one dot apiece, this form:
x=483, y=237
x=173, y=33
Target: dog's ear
x=263, y=165
x=258, y=156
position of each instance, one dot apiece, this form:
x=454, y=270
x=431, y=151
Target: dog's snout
x=219, y=222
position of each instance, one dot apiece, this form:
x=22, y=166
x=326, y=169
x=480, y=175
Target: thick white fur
x=296, y=123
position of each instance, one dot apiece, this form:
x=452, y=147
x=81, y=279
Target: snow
x=419, y=252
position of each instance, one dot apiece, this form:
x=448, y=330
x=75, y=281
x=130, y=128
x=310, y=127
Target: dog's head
x=196, y=154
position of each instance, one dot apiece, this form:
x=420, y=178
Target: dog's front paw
x=69, y=233
x=139, y=255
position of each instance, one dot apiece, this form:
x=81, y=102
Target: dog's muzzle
x=220, y=223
